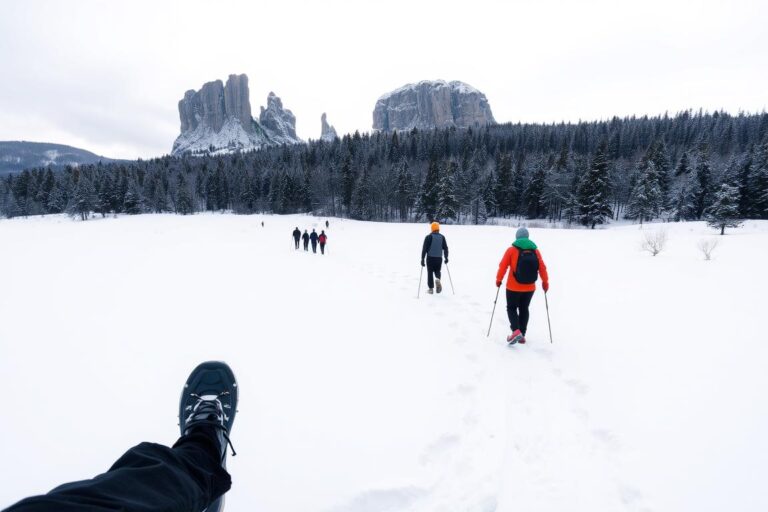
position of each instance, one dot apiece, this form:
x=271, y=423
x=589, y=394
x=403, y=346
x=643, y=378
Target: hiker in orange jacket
x=526, y=265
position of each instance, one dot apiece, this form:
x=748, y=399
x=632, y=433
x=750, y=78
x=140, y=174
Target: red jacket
x=509, y=260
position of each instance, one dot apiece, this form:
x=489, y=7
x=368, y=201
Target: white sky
x=107, y=75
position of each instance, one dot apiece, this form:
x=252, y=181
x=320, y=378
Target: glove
x=446, y=261
x=498, y=284
x=422, y=263
x=545, y=285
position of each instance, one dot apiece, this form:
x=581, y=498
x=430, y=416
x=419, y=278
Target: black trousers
x=297, y=243
x=517, y=309
x=434, y=264
x=314, y=247
x=306, y=246
x=148, y=477
x=322, y=248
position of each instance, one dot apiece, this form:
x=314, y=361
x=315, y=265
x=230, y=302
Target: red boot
x=515, y=337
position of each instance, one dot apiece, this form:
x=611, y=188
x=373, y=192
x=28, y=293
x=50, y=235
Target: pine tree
x=184, y=203
x=447, y=203
x=703, y=184
x=646, y=198
x=682, y=207
x=505, y=193
x=724, y=212
x=759, y=183
x=362, y=198
x=535, y=201
x=684, y=166
x=405, y=190
x=132, y=202
x=429, y=197
x=83, y=201
x=593, y=199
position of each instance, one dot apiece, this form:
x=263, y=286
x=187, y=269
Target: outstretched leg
x=189, y=477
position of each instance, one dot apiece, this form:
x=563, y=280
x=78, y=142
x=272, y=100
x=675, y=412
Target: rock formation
x=327, y=132
x=217, y=119
x=432, y=104
x=280, y=122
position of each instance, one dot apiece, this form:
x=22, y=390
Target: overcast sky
x=107, y=75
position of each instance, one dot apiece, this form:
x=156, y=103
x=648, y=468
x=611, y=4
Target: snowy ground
x=357, y=397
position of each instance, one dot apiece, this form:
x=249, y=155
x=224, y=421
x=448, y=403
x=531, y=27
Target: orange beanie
x=435, y=226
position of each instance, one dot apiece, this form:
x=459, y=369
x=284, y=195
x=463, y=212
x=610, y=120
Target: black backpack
x=527, y=270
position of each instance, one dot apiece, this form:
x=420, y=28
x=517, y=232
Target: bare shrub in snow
x=706, y=246
x=654, y=241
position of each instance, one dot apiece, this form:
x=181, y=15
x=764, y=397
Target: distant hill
x=16, y=156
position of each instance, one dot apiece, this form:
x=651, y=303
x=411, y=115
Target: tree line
x=693, y=165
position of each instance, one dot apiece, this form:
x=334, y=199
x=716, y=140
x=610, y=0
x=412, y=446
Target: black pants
x=148, y=477
x=434, y=265
x=517, y=309
x=306, y=246
x=322, y=248
x=297, y=243
x=314, y=247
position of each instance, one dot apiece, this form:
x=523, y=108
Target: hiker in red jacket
x=526, y=265
x=323, y=238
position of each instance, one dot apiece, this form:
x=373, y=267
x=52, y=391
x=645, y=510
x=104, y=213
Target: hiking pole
x=548, y=323
x=450, y=278
x=498, y=289
x=419, y=290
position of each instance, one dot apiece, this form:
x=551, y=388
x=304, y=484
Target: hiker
x=526, y=265
x=323, y=238
x=189, y=476
x=296, y=237
x=313, y=238
x=326, y=224
x=305, y=238
x=434, y=247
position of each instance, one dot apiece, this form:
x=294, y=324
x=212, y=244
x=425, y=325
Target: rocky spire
x=327, y=132
x=219, y=116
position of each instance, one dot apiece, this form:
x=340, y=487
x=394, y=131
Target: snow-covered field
x=358, y=397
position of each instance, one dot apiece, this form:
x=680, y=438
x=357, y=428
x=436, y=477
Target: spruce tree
x=535, y=201
x=593, y=199
x=703, y=184
x=646, y=198
x=759, y=183
x=82, y=203
x=429, y=197
x=447, y=203
x=724, y=212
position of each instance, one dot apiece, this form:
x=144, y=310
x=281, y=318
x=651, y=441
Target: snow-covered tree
x=724, y=212
x=594, y=201
x=645, y=200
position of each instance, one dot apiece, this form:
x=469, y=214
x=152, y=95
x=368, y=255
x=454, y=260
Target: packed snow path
x=357, y=397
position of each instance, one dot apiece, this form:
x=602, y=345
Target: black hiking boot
x=209, y=401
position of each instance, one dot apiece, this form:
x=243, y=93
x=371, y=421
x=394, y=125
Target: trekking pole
x=548, y=323
x=419, y=290
x=498, y=289
x=450, y=278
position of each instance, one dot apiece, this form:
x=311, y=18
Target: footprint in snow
x=439, y=448
x=578, y=386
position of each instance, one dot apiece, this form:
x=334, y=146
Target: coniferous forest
x=690, y=166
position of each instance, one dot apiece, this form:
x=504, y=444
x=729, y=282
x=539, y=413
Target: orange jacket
x=509, y=261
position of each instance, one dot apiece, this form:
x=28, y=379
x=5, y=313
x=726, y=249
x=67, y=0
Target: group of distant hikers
x=523, y=261
x=312, y=238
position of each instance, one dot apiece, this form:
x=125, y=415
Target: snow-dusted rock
x=278, y=121
x=327, y=132
x=217, y=119
x=432, y=104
